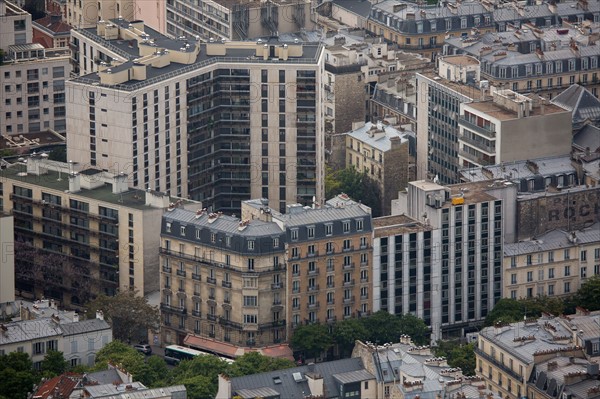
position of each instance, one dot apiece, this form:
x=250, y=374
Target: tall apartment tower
x=450, y=255
x=216, y=122
x=80, y=232
x=439, y=96
x=32, y=78
x=238, y=19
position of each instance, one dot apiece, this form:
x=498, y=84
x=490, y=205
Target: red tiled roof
x=51, y=23
x=63, y=384
x=233, y=351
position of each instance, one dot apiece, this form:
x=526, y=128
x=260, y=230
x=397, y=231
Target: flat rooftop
x=475, y=192
x=129, y=50
x=471, y=92
x=30, y=140
x=132, y=198
x=397, y=224
x=496, y=111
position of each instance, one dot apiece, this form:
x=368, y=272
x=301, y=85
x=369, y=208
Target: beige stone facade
x=553, y=264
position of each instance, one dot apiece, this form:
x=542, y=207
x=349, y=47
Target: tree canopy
x=513, y=310
x=311, y=339
x=588, y=296
x=358, y=185
x=254, y=362
x=54, y=364
x=346, y=332
x=457, y=355
x=17, y=376
x=129, y=315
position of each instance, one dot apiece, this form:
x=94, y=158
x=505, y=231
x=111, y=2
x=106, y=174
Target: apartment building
x=527, y=58
x=78, y=340
x=238, y=20
x=423, y=29
x=439, y=97
x=386, y=154
x=84, y=14
x=328, y=252
x=255, y=279
x=216, y=122
x=552, y=264
x=471, y=222
x=535, y=358
x=7, y=264
x=32, y=79
x=507, y=129
x=80, y=232
x=532, y=175
x=222, y=279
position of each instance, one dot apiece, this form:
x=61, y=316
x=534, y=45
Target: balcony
x=350, y=299
x=314, y=305
x=489, y=132
x=475, y=158
x=348, y=283
x=181, y=273
x=229, y=323
x=348, y=249
x=506, y=369
x=250, y=342
x=312, y=254
x=364, y=280
x=226, y=284
x=331, y=302
x=313, y=288
x=211, y=317
x=331, y=319
x=349, y=266
x=211, y=280
x=276, y=286
x=211, y=334
x=479, y=145
x=172, y=309
x=196, y=313
x=196, y=277
x=313, y=271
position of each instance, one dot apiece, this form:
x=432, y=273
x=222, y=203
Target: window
x=529, y=277
x=251, y=245
x=294, y=234
x=551, y=272
x=359, y=225
x=275, y=242
x=583, y=256
x=310, y=231
x=513, y=278
x=346, y=227
x=551, y=289
x=583, y=272
x=567, y=254
x=328, y=229
x=250, y=264
x=567, y=287
x=250, y=301
x=567, y=271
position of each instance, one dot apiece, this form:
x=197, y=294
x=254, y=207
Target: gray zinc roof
x=224, y=223
x=84, y=326
x=581, y=102
x=588, y=137
x=382, y=142
x=353, y=376
x=29, y=330
x=359, y=7
x=322, y=215
x=288, y=388
x=555, y=239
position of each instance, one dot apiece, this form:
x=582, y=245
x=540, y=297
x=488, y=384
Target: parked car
x=145, y=349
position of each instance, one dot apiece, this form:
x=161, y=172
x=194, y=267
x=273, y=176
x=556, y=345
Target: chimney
x=224, y=391
x=74, y=182
x=156, y=199
x=75, y=317
x=315, y=383
x=100, y=315
x=120, y=183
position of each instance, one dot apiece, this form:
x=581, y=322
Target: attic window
x=276, y=380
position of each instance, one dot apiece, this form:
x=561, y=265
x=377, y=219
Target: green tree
x=119, y=353
x=199, y=375
x=414, y=327
x=346, y=332
x=254, y=362
x=588, y=296
x=311, y=339
x=513, y=310
x=130, y=315
x=506, y=310
x=358, y=185
x=17, y=376
x=457, y=355
x=54, y=364
x=383, y=327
